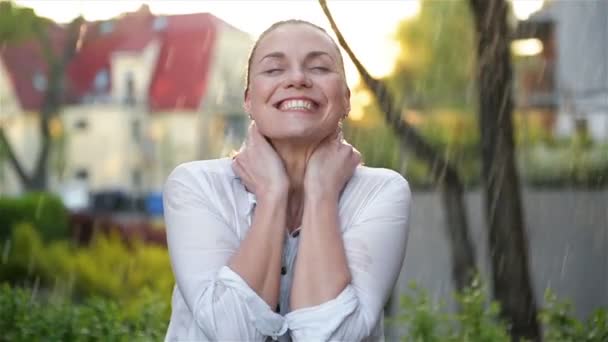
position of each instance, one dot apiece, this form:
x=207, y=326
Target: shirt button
x=283, y=270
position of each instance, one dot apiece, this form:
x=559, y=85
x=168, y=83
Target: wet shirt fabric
x=208, y=212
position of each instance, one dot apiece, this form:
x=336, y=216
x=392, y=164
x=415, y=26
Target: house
x=146, y=92
x=569, y=78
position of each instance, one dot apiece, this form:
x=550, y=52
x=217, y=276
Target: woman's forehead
x=291, y=38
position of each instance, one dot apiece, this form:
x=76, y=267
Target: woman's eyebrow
x=310, y=55
x=277, y=54
x=315, y=54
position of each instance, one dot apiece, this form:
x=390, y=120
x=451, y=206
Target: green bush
x=106, y=268
x=43, y=210
x=478, y=319
x=25, y=315
x=572, y=165
x=561, y=326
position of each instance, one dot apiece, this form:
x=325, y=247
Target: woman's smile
x=297, y=104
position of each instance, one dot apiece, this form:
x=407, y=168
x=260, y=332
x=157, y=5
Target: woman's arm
x=225, y=304
x=258, y=259
x=374, y=246
x=321, y=269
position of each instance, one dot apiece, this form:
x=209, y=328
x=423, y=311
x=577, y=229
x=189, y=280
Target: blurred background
x=100, y=100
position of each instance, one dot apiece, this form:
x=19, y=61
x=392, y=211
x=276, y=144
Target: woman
x=292, y=239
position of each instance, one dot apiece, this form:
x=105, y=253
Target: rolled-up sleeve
x=375, y=246
x=200, y=244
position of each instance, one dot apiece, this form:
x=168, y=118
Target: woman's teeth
x=296, y=105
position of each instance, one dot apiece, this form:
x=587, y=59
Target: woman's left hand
x=330, y=166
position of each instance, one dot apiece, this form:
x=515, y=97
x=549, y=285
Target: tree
x=503, y=208
x=491, y=65
x=436, y=61
x=443, y=172
x=18, y=24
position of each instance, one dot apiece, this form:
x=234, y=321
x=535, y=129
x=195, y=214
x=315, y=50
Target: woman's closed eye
x=320, y=69
x=273, y=71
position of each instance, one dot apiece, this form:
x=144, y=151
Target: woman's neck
x=295, y=158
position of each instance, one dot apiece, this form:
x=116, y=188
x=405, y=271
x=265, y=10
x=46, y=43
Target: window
x=235, y=127
x=81, y=124
x=160, y=23
x=106, y=27
x=102, y=80
x=82, y=174
x=136, y=178
x=136, y=130
x=129, y=98
x=39, y=81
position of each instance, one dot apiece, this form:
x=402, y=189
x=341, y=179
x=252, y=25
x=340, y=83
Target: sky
x=368, y=25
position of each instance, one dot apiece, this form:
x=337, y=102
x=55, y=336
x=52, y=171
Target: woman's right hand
x=259, y=166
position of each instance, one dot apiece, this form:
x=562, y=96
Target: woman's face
x=297, y=89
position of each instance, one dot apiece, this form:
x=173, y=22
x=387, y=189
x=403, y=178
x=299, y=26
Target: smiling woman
x=291, y=239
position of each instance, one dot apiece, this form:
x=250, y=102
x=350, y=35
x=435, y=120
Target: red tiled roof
x=180, y=76
x=181, y=73
x=23, y=61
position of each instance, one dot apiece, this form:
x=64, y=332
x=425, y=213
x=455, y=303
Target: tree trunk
x=53, y=99
x=503, y=208
x=443, y=173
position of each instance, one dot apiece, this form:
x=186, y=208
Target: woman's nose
x=298, y=79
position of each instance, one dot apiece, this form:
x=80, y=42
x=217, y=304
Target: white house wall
x=22, y=131
x=9, y=104
x=106, y=149
x=222, y=104
x=173, y=139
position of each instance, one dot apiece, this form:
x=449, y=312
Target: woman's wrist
x=320, y=197
x=273, y=195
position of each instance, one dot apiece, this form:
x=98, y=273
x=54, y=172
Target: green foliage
x=376, y=142
x=543, y=160
x=18, y=23
x=26, y=316
x=107, y=268
x=572, y=165
x=44, y=211
x=562, y=326
x=436, y=64
x=478, y=319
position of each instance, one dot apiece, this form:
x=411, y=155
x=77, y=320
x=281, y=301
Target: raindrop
x=564, y=260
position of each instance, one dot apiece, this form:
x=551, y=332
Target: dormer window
x=39, y=81
x=102, y=80
x=160, y=23
x=106, y=27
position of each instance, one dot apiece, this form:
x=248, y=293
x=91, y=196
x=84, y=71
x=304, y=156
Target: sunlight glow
x=523, y=9
x=368, y=26
x=527, y=47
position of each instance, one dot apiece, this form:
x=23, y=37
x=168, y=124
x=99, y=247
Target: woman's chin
x=299, y=137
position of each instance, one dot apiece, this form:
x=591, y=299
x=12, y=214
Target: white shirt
x=208, y=212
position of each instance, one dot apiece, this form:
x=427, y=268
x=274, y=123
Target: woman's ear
x=347, y=104
x=247, y=102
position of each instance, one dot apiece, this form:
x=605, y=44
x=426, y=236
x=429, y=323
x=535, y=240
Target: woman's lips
x=297, y=104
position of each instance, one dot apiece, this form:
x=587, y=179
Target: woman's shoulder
x=377, y=176
x=201, y=172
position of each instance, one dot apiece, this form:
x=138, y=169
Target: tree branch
x=12, y=157
x=440, y=166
